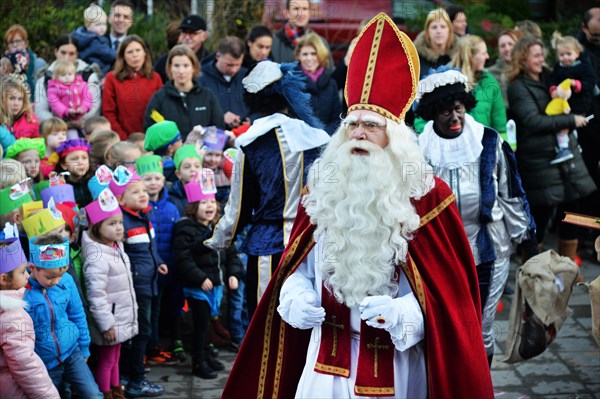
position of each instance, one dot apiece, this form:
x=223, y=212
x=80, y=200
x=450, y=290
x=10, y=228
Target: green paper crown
x=184, y=152
x=11, y=201
x=148, y=164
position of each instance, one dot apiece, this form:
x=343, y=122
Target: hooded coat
x=22, y=372
x=95, y=49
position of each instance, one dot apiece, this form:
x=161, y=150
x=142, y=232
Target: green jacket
x=489, y=111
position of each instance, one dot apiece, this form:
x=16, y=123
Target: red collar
x=136, y=213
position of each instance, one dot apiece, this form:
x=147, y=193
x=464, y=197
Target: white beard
x=361, y=206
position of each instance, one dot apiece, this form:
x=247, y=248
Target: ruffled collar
x=452, y=153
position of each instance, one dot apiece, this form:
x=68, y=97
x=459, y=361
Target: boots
x=213, y=363
x=201, y=369
x=117, y=393
x=108, y=395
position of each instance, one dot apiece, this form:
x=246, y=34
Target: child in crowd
x=54, y=132
x=122, y=153
x=188, y=164
x=214, y=141
x=6, y=140
x=100, y=141
x=68, y=94
x=12, y=199
x=138, y=139
x=22, y=372
x=29, y=152
x=63, y=339
x=95, y=124
x=164, y=215
x=199, y=268
x=16, y=112
x=146, y=264
x=583, y=81
x=95, y=46
x=164, y=139
x=74, y=157
x=109, y=289
x=11, y=172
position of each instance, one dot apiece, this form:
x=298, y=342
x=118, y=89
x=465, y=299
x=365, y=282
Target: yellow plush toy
x=560, y=105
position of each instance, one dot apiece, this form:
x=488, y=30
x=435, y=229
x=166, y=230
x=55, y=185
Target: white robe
x=410, y=379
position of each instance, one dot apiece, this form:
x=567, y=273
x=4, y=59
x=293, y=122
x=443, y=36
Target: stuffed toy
x=560, y=105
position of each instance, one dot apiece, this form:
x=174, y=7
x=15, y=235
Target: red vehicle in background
x=338, y=21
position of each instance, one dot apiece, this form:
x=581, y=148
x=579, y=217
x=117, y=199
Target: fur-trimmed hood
x=12, y=300
x=425, y=51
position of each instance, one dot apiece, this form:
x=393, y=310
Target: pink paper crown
x=202, y=187
x=122, y=178
x=104, y=207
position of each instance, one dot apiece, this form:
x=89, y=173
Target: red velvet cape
x=443, y=277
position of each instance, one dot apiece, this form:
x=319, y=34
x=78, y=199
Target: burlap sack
x=539, y=308
x=594, y=289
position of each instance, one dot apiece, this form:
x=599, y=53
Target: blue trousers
x=75, y=371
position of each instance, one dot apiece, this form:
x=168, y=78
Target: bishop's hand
x=304, y=312
x=381, y=311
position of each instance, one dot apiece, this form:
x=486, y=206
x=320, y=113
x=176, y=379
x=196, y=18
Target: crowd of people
x=277, y=195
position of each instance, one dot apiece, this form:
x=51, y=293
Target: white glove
x=381, y=311
x=304, y=314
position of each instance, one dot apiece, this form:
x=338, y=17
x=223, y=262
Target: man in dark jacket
x=222, y=73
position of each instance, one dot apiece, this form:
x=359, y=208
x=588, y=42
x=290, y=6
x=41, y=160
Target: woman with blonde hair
x=435, y=44
x=506, y=41
x=546, y=185
x=313, y=61
x=182, y=100
x=129, y=87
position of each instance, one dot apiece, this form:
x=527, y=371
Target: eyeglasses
x=17, y=42
x=370, y=127
x=459, y=109
x=191, y=32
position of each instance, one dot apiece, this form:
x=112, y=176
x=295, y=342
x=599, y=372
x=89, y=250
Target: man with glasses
x=588, y=137
x=120, y=20
x=192, y=33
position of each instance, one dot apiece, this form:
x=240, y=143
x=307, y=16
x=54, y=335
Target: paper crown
x=100, y=180
x=68, y=214
x=31, y=207
x=104, y=207
x=229, y=157
x=185, y=152
x=383, y=71
x=26, y=144
x=44, y=221
x=202, y=187
x=39, y=187
x=11, y=255
x=149, y=164
x=62, y=193
x=15, y=196
x=214, y=139
x=121, y=179
x=49, y=256
x=161, y=135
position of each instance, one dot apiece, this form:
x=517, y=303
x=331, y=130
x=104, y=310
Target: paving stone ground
x=568, y=369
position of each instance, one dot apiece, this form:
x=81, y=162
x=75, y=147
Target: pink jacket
x=22, y=372
x=63, y=97
x=22, y=128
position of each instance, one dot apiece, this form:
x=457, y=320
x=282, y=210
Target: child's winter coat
x=109, y=291
x=164, y=215
x=22, y=372
x=95, y=49
x=59, y=320
x=64, y=97
x=21, y=127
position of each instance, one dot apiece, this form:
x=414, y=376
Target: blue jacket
x=94, y=48
x=177, y=196
x=140, y=245
x=6, y=138
x=58, y=319
x=164, y=216
x=230, y=93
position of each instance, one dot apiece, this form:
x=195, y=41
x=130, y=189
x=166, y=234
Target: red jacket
x=124, y=103
x=22, y=128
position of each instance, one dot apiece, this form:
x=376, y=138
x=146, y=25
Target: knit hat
x=149, y=164
x=15, y=196
x=59, y=190
x=202, y=186
x=229, y=159
x=122, y=178
x=161, y=135
x=214, y=139
x=25, y=144
x=44, y=221
x=11, y=255
x=100, y=180
x=184, y=152
x=383, y=71
x=69, y=146
x=104, y=207
x=49, y=256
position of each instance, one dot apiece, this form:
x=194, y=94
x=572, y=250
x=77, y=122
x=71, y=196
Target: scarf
x=314, y=76
x=294, y=33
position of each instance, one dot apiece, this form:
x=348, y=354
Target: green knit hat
x=161, y=135
x=149, y=164
x=14, y=197
x=186, y=151
x=26, y=144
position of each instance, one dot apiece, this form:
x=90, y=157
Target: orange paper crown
x=383, y=72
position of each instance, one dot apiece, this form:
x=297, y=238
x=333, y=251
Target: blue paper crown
x=49, y=256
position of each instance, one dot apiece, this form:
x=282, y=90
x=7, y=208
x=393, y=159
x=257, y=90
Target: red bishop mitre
x=383, y=72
